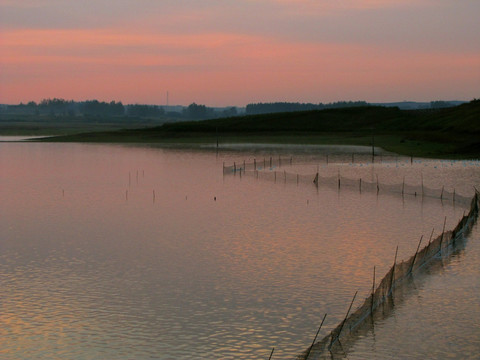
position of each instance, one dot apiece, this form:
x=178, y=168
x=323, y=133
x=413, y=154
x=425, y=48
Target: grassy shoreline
x=452, y=133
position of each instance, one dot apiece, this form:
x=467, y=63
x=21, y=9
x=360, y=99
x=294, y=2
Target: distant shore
x=452, y=133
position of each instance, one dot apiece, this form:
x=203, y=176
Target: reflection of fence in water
x=275, y=169
x=381, y=299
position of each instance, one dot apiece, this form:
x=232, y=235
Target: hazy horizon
x=231, y=53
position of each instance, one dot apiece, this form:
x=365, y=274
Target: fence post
x=314, y=339
x=415, y=256
x=443, y=234
x=390, y=291
x=373, y=293
x=343, y=322
x=271, y=354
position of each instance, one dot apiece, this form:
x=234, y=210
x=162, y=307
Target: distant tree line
x=95, y=108
x=145, y=110
x=266, y=108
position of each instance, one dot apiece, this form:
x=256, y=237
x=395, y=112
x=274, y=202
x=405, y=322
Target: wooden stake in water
x=390, y=291
x=431, y=235
x=343, y=322
x=271, y=354
x=315, y=338
x=415, y=256
x=373, y=292
x=443, y=233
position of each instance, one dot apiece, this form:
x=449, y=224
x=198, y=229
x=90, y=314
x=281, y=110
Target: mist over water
x=123, y=252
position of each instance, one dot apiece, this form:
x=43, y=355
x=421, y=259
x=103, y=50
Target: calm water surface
x=123, y=252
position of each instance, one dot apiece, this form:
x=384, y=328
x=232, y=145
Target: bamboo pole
x=343, y=322
x=415, y=256
x=373, y=293
x=443, y=234
x=315, y=338
x=392, y=279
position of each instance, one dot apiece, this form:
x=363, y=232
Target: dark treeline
x=94, y=108
x=100, y=109
x=277, y=107
x=145, y=110
x=61, y=107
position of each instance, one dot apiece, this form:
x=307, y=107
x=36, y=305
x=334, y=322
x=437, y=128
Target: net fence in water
x=274, y=169
x=383, y=294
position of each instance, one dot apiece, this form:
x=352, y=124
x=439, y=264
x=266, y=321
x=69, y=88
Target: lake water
x=137, y=252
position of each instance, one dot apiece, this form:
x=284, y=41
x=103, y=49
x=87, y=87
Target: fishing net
x=275, y=170
x=384, y=293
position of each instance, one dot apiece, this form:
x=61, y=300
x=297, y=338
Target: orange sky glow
x=239, y=52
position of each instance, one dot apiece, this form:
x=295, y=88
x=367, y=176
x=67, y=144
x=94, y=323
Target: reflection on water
x=130, y=252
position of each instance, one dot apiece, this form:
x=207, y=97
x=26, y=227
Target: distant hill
x=413, y=105
x=443, y=132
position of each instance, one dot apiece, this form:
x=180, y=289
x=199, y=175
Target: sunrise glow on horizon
x=223, y=53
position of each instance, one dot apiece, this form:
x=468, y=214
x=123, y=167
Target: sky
x=236, y=52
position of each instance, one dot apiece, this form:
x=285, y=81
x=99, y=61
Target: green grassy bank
x=447, y=133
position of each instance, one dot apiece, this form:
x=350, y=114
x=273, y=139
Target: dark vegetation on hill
x=447, y=132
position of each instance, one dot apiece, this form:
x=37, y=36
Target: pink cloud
x=221, y=69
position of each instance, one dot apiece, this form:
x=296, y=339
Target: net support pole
x=443, y=234
x=415, y=256
x=315, y=338
x=271, y=354
x=343, y=322
x=373, y=293
x=392, y=279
